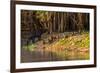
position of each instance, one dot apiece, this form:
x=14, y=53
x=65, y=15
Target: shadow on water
x=38, y=56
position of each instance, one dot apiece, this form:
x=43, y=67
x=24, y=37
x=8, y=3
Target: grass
x=30, y=47
x=77, y=41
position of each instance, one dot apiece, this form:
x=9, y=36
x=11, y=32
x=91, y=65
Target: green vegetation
x=78, y=41
x=30, y=47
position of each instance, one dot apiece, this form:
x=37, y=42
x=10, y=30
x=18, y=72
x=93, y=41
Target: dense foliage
x=55, y=21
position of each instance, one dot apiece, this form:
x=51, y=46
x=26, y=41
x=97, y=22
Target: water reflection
x=41, y=55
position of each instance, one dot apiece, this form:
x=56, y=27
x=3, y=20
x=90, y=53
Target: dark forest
x=54, y=36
